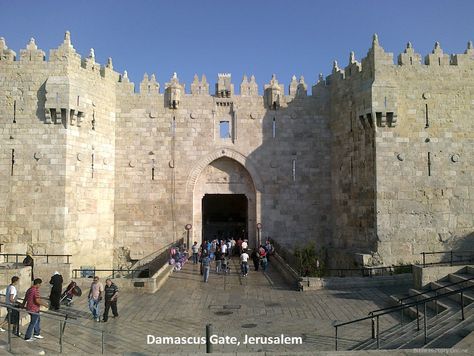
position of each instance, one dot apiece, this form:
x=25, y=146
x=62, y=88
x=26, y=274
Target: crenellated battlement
x=378, y=60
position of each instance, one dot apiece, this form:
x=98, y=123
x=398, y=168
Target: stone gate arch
x=221, y=173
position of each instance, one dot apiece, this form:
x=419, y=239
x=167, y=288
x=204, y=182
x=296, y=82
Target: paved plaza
x=258, y=305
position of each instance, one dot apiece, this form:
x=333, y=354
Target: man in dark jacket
x=111, y=294
x=55, y=295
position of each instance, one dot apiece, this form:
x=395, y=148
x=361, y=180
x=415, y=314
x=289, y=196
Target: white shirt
x=244, y=257
x=11, y=293
x=224, y=248
x=245, y=245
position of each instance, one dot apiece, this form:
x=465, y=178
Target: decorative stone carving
x=79, y=157
x=37, y=156
x=174, y=90
x=225, y=174
x=401, y=157
x=274, y=92
x=455, y=158
x=224, y=86
x=132, y=163
x=426, y=95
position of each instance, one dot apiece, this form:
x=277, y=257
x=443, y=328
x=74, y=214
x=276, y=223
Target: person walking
x=13, y=316
x=56, y=289
x=263, y=257
x=224, y=248
x=255, y=259
x=111, y=294
x=244, y=263
x=33, y=304
x=94, y=297
x=206, y=266
x=195, y=250
x=218, y=260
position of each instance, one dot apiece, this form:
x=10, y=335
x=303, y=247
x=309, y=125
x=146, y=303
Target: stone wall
x=424, y=167
x=374, y=163
x=162, y=152
x=54, y=115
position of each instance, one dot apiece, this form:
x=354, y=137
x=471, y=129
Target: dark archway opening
x=224, y=216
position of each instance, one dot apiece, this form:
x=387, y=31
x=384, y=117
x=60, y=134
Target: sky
x=259, y=37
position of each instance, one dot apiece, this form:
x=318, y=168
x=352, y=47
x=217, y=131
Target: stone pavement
x=257, y=305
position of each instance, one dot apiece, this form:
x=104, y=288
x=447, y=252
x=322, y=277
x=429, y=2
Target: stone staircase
x=445, y=327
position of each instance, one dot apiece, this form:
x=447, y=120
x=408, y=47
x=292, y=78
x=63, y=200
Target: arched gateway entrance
x=225, y=199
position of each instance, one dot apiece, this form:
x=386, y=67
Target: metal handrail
x=376, y=327
x=49, y=315
x=367, y=271
x=150, y=257
x=435, y=289
x=451, y=253
x=113, y=271
x=418, y=294
x=150, y=267
x=17, y=255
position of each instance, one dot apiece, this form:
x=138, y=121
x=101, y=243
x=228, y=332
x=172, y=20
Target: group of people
x=259, y=258
x=97, y=292
x=33, y=302
x=220, y=251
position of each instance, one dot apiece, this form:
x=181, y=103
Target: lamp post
x=188, y=227
x=259, y=231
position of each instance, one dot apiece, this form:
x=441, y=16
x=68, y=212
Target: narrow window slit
x=13, y=160
x=93, y=120
x=274, y=128
x=427, y=122
x=294, y=170
x=14, y=112
x=429, y=163
x=352, y=170
x=92, y=166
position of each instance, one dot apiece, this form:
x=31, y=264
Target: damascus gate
x=372, y=163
